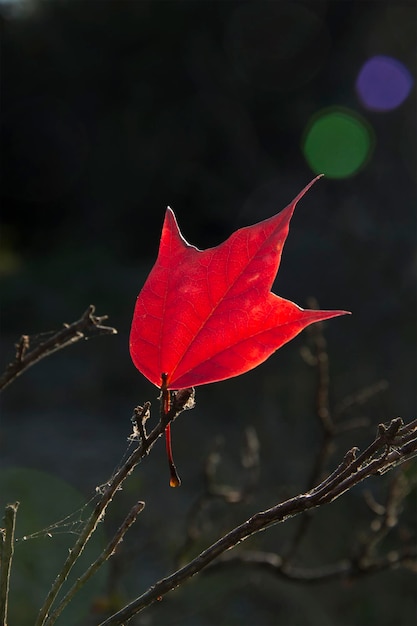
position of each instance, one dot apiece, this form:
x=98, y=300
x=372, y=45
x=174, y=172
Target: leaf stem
x=174, y=479
x=166, y=405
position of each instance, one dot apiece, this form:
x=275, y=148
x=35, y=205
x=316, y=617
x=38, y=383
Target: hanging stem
x=174, y=479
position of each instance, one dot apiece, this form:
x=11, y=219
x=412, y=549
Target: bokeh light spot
x=383, y=83
x=337, y=143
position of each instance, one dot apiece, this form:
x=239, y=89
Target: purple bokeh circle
x=383, y=83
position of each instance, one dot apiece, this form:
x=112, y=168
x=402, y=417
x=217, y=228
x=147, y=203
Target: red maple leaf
x=207, y=315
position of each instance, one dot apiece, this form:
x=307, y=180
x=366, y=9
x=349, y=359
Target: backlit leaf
x=207, y=315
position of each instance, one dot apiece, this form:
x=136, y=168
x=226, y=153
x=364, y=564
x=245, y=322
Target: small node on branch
x=389, y=432
x=172, y=404
x=22, y=347
x=139, y=418
x=350, y=456
x=183, y=400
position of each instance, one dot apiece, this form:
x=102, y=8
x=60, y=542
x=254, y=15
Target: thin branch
x=104, y=556
x=386, y=518
x=6, y=556
x=369, y=462
x=350, y=472
x=344, y=569
x=365, y=562
x=89, y=325
x=180, y=402
x=320, y=360
x=361, y=397
x=214, y=491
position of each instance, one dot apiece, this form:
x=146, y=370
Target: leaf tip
x=170, y=215
x=309, y=185
x=303, y=192
x=171, y=224
x=340, y=312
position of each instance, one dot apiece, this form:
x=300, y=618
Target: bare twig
x=353, y=470
x=365, y=562
x=360, y=397
x=393, y=445
x=104, y=556
x=139, y=418
x=386, y=517
x=89, y=325
x=345, y=569
x=180, y=402
x=6, y=556
x=331, y=429
x=213, y=491
x=320, y=359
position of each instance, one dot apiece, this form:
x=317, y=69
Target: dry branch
x=180, y=401
x=89, y=325
x=395, y=439
x=6, y=556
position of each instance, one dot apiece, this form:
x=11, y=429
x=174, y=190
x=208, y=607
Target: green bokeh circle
x=337, y=143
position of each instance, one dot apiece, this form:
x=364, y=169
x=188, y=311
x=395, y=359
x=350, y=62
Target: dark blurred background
x=112, y=110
